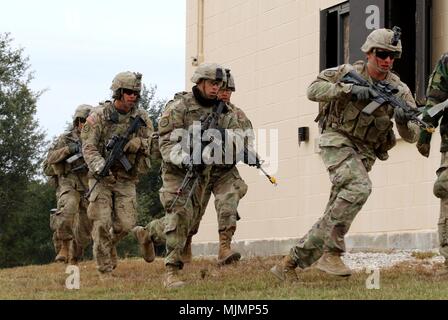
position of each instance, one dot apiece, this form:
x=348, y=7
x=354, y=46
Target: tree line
x=26, y=197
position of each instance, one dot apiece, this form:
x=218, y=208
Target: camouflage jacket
x=246, y=126
x=59, y=153
x=345, y=124
x=180, y=113
x=243, y=120
x=437, y=92
x=105, y=122
x=64, y=166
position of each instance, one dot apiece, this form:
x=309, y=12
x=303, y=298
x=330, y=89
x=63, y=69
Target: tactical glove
x=73, y=148
x=401, y=116
x=424, y=143
x=133, y=145
x=360, y=93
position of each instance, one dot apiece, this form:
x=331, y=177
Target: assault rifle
x=76, y=156
x=116, y=145
x=384, y=93
x=193, y=170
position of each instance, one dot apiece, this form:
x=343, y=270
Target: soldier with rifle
x=434, y=112
x=355, y=132
x=66, y=165
x=184, y=173
x=228, y=188
x=227, y=185
x=116, y=147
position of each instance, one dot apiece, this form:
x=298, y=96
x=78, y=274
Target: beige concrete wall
x=272, y=48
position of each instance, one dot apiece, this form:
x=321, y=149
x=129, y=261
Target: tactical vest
x=347, y=116
x=194, y=111
x=78, y=166
x=117, y=125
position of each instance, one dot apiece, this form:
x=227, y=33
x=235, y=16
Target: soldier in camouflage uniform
x=228, y=188
x=437, y=92
x=65, y=163
x=350, y=143
x=180, y=113
x=113, y=201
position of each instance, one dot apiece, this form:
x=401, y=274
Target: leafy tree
x=21, y=146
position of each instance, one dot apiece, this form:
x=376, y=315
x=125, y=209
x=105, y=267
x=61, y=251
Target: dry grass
x=249, y=279
x=422, y=255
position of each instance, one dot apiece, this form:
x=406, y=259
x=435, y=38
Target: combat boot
x=226, y=255
x=172, y=279
x=63, y=253
x=285, y=270
x=145, y=242
x=444, y=271
x=186, y=252
x=331, y=263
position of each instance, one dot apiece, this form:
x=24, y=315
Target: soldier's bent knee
x=441, y=185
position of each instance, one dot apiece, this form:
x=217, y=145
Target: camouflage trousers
x=180, y=217
x=82, y=231
x=69, y=196
x=113, y=210
x=228, y=188
x=441, y=192
x=351, y=186
x=70, y=221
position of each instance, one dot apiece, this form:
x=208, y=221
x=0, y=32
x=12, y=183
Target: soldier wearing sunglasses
x=113, y=201
x=350, y=143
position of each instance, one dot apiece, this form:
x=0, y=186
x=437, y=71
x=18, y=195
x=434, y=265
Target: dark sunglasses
x=384, y=54
x=131, y=92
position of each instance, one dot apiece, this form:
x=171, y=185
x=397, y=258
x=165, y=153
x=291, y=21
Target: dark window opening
x=335, y=41
x=345, y=27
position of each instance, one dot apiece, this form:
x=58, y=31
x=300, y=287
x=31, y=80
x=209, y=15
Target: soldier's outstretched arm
x=408, y=131
x=59, y=152
x=145, y=133
x=90, y=135
x=327, y=87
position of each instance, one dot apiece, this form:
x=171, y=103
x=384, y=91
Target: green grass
x=249, y=279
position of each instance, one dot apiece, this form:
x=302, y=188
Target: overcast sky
x=77, y=47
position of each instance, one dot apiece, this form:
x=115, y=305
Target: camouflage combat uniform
x=70, y=221
x=349, y=145
x=437, y=92
x=113, y=201
x=180, y=114
x=228, y=189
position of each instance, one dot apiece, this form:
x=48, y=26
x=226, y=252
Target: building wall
x=272, y=48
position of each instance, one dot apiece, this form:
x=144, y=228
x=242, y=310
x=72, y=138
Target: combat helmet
x=82, y=112
x=384, y=39
x=230, y=81
x=126, y=80
x=212, y=71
